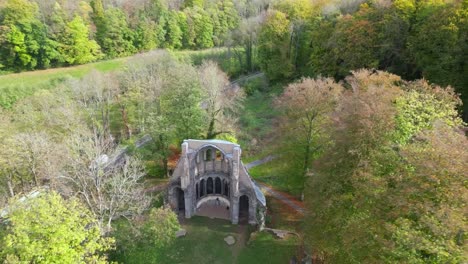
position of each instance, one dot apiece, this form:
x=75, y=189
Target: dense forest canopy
x=286, y=39
x=366, y=100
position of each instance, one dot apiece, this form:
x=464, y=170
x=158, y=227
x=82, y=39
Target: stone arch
x=218, y=186
x=244, y=203
x=202, y=148
x=223, y=200
x=209, y=154
x=202, y=188
x=209, y=186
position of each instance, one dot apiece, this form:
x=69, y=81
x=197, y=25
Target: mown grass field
x=14, y=87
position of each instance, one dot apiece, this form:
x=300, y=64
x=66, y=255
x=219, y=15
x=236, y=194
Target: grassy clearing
x=227, y=58
x=264, y=248
x=204, y=243
x=14, y=87
x=275, y=173
x=256, y=120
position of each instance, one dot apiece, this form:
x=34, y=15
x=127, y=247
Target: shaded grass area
x=257, y=122
x=204, y=243
x=277, y=174
x=282, y=216
x=14, y=87
x=265, y=248
x=227, y=58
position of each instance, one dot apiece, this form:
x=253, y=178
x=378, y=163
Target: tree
x=273, y=49
x=76, y=46
x=220, y=100
x=174, y=33
x=306, y=106
x=180, y=102
x=113, y=33
x=348, y=182
x=146, y=37
x=109, y=187
x=199, y=32
x=42, y=227
x=161, y=227
x=405, y=192
x=24, y=41
x=430, y=225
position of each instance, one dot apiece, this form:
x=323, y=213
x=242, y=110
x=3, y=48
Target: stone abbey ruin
x=210, y=179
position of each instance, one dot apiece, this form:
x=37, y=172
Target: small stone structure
x=210, y=173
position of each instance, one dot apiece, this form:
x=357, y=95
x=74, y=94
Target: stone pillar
x=252, y=211
x=235, y=171
x=185, y=177
x=235, y=210
x=213, y=159
x=188, y=196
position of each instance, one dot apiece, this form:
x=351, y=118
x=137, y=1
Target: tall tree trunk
x=128, y=130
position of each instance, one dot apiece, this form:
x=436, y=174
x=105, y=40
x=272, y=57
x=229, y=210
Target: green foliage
x=274, y=48
x=114, y=35
x=76, y=45
x=180, y=105
x=199, y=28
x=15, y=87
x=45, y=228
x=421, y=106
x=174, y=32
x=160, y=228
x=403, y=191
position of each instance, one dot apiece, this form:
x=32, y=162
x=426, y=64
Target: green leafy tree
x=42, y=227
x=199, y=28
x=174, y=33
x=438, y=44
x=273, y=49
x=76, y=47
x=113, y=34
x=146, y=36
x=161, y=227
x=405, y=193
x=306, y=107
x=25, y=44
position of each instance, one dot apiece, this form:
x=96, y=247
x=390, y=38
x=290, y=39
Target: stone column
x=185, y=177
x=252, y=211
x=235, y=210
x=188, y=196
x=213, y=159
x=235, y=171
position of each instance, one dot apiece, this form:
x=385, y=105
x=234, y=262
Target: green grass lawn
x=276, y=174
x=256, y=121
x=14, y=87
x=204, y=243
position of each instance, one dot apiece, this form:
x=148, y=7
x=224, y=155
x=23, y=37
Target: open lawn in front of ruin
x=204, y=241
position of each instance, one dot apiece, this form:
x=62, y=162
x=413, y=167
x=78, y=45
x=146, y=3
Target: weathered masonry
x=211, y=172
